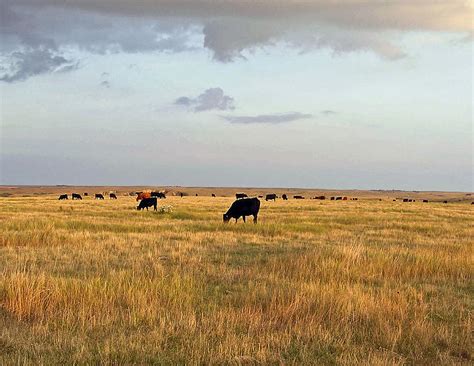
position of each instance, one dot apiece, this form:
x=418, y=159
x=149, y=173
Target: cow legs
x=155, y=209
x=243, y=218
x=254, y=219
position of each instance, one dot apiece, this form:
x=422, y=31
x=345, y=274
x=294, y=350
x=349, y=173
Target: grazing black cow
x=354, y=199
x=181, y=194
x=242, y=208
x=345, y=199
x=148, y=202
x=76, y=196
x=113, y=196
x=298, y=197
x=63, y=197
x=86, y=194
x=338, y=198
x=240, y=195
x=425, y=201
x=260, y=196
x=158, y=194
x=445, y=201
x=99, y=196
x=320, y=197
x=284, y=197
x=271, y=196
x=333, y=198
x=213, y=195
x=196, y=194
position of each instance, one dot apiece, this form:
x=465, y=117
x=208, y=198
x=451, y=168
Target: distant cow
x=320, y=197
x=260, y=196
x=63, y=197
x=298, y=197
x=354, y=199
x=338, y=198
x=147, y=202
x=213, y=195
x=271, y=196
x=344, y=198
x=425, y=201
x=445, y=201
x=240, y=195
x=158, y=194
x=284, y=197
x=333, y=198
x=143, y=195
x=86, y=194
x=99, y=196
x=406, y=200
x=113, y=196
x=196, y=194
x=242, y=208
x=76, y=196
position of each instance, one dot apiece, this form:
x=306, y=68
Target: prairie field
x=313, y=283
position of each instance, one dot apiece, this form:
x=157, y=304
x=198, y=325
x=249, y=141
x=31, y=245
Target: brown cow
x=143, y=195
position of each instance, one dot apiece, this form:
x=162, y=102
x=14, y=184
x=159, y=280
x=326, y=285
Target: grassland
x=315, y=282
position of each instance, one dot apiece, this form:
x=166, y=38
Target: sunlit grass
x=354, y=282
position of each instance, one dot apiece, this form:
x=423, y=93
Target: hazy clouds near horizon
x=360, y=94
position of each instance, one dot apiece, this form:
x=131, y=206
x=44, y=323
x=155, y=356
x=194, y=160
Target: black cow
x=213, y=195
x=63, y=197
x=86, y=194
x=426, y=201
x=298, y=197
x=99, y=196
x=338, y=198
x=271, y=196
x=445, y=201
x=333, y=198
x=320, y=197
x=284, y=197
x=241, y=208
x=158, y=194
x=148, y=202
x=76, y=196
x=240, y=195
x=112, y=196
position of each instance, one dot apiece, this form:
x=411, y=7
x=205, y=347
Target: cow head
x=226, y=218
x=138, y=208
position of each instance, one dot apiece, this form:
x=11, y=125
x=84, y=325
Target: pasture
x=314, y=282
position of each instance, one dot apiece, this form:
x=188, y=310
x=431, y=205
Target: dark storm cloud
x=229, y=29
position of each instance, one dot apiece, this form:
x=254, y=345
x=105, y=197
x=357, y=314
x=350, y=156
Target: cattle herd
x=243, y=206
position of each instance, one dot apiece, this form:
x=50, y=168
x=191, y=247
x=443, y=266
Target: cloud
x=105, y=84
x=23, y=64
x=228, y=29
x=210, y=99
x=268, y=118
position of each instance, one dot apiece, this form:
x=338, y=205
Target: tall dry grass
x=356, y=282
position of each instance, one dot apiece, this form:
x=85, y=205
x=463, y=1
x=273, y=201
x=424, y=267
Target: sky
x=265, y=93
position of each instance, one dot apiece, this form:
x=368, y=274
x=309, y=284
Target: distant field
x=315, y=282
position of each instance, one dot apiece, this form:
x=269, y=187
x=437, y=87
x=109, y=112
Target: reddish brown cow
x=143, y=195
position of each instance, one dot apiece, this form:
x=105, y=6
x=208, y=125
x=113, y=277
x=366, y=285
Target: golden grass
x=354, y=282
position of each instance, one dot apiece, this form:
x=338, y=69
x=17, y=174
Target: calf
x=242, y=208
x=113, y=196
x=284, y=197
x=298, y=197
x=271, y=196
x=76, y=196
x=147, y=202
x=99, y=196
x=63, y=197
